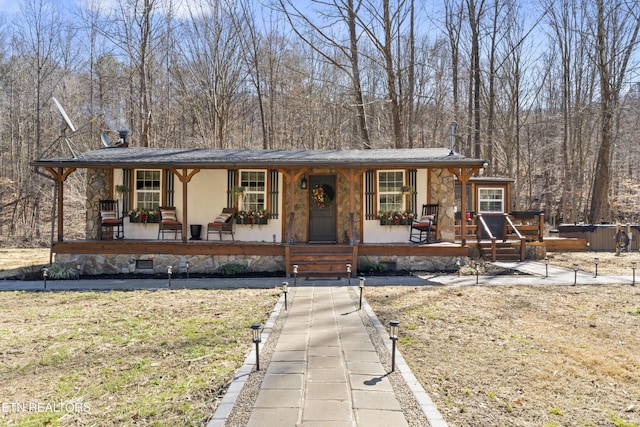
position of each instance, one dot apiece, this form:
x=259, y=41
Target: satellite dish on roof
x=64, y=136
x=66, y=118
x=106, y=141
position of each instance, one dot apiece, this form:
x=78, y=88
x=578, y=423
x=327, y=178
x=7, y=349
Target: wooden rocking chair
x=425, y=228
x=169, y=222
x=111, y=224
x=223, y=223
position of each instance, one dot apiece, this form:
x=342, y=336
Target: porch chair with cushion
x=111, y=224
x=169, y=222
x=223, y=223
x=425, y=227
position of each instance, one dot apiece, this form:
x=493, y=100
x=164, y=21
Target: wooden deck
x=204, y=247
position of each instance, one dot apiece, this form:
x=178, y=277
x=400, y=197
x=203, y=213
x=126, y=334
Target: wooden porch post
x=463, y=175
x=59, y=176
x=184, y=178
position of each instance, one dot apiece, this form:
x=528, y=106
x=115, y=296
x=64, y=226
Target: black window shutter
x=273, y=194
x=412, y=179
x=231, y=182
x=169, y=187
x=126, y=181
x=369, y=195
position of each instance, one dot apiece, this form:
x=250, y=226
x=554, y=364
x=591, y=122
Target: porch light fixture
x=546, y=267
x=256, y=330
x=595, y=261
x=285, y=290
x=485, y=165
x=394, y=325
x=45, y=274
x=575, y=273
x=633, y=267
x=295, y=274
x=169, y=270
x=303, y=183
x=349, y=273
x=361, y=286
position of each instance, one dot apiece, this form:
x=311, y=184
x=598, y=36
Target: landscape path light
x=349, y=273
x=285, y=290
x=458, y=265
x=596, y=260
x=187, y=265
x=169, y=270
x=45, y=274
x=394, y=325
x=361, y=286
x=575, y=273
x=633, y=267
x=256, y=329
x=546, y=267
x=295, y=274
x=477, y=271
x=78, y=267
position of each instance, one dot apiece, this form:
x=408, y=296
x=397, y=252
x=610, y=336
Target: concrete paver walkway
x=325, y=369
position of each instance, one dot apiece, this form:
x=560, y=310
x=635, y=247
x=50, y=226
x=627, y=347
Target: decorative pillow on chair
x=169, y=215
x=426, y=219
x=222, y=217
x=106, y=215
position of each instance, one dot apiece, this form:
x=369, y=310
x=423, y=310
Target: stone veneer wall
x=301, y=202
x=414, y=263
x=442, y=192
x=98, y=187
x=96, y=264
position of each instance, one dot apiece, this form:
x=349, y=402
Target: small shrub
x=61, y=272
x=232, y=270
x=374, y=267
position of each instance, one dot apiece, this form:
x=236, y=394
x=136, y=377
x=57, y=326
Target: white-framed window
x=255, y=190
x=491, y=200
x=390, y=197
x=148, y=185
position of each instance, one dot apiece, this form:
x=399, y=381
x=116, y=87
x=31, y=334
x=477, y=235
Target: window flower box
x=250, y=218
x=143, y=216
x=395, y=218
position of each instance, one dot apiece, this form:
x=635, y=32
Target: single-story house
x=332, y=210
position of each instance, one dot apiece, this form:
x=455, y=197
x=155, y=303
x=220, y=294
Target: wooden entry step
x=505, y=251
x=317, y=260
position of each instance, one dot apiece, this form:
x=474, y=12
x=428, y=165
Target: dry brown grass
x=517, y=356
x=522, y=356
x=126, y=358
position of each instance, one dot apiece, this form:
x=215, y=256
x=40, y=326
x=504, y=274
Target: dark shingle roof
x=137, y=157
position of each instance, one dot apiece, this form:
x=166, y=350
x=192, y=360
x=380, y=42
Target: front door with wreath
x=322, y=208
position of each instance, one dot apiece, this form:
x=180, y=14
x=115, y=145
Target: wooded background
x=548, y=91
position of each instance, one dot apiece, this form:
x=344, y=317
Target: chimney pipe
x=123, y=133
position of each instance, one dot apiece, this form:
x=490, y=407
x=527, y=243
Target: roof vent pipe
x=123, y=134
x=453, y=137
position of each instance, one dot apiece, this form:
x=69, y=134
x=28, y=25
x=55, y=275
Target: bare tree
x=617, y=26
x=347, y=11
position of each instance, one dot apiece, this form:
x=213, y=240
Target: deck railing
x=484, y=227
x=523, y=240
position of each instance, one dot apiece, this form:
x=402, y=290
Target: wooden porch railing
x=526, y=228
x=523, y=240
x=486, y=229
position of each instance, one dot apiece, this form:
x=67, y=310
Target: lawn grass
x=156, y=358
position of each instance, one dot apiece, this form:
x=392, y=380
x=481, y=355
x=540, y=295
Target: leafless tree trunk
x=616, y=39
x=347, y=10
